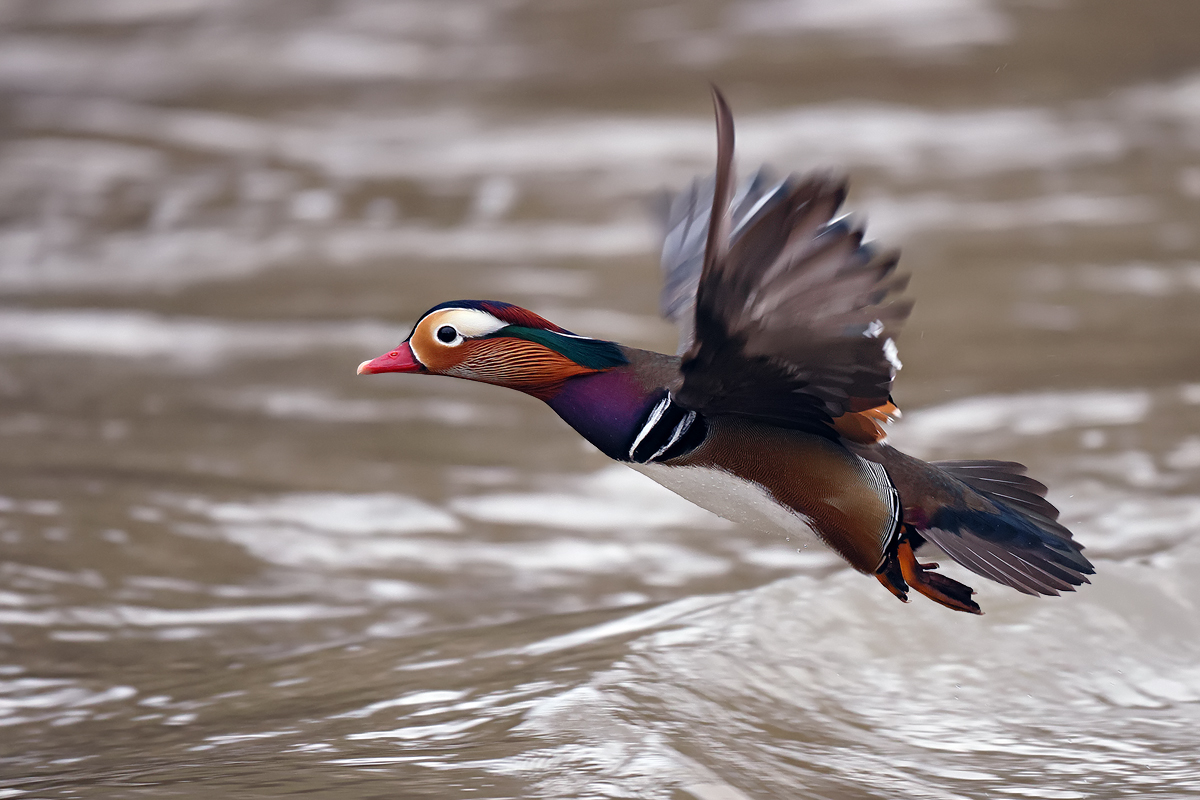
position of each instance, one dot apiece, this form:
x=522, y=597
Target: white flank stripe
x=655, y=416
x=679, y=431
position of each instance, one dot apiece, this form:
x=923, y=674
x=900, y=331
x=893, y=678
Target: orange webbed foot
x=891, y=578
x=934, y=585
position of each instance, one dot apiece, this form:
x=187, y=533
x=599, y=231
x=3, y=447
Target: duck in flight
x=773, y=413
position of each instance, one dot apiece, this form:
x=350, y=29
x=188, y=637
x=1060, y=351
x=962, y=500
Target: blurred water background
x=230, y=568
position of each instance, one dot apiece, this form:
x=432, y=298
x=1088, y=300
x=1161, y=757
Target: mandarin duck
x=773, y=413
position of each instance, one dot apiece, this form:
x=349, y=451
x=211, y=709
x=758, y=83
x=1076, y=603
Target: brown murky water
x=230, y=568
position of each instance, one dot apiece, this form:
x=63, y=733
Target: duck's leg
x=892, y=579
x=935, y=586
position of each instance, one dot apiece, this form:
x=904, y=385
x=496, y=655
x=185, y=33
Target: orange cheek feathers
x=515, y=363
x=506, y=361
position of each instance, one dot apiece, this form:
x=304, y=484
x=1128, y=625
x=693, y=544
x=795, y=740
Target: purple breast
x=606, y=408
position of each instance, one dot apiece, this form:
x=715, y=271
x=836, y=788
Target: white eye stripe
x=470, y=322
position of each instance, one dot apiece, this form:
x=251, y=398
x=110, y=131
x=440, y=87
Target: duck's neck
x=606, y=408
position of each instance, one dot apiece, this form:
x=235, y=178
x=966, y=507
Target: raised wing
x=685, y=233
x=794, y=315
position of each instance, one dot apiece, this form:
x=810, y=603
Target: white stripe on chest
x=726, y=495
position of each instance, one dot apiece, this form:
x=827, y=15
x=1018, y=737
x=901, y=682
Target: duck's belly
x=791, y=483
x=731, y=497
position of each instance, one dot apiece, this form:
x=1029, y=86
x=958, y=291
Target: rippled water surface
x=230, y=568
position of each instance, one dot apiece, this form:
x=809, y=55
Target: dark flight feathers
x=793, y=317
x=1023, y=546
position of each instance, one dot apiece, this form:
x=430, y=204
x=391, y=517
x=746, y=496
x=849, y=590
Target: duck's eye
x=446, y=334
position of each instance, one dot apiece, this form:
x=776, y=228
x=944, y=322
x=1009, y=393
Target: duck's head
x=493, y=342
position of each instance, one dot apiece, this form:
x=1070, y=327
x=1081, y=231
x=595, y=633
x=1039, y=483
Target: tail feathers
x=1021, y=544
x=1007, y=482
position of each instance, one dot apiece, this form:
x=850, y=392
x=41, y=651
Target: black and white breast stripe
x=670, y=430
x=878, y=478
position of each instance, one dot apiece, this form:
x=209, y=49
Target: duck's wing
x=685, y=232
x=795, y=317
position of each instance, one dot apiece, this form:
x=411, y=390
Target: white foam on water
x=1177, y=100
x=332, y=54
x=45, y=577
x=1142, y=278
x=118, y=616
x=1117, y=522
x=186, y=255
x=437, y=732
x=606, y=762
x=30, y=699
x=921, y=25
x=571, y=283
x=575, y=512
x=424, y=697
x=791, y=558
x=615, y=498
x=347, y=532
x=512, y=241
x=1129, y=467
x=636, y=156
x=394, y=591
x=126, y=11
x=229, y=615
x=355, y=42
x=374, y=761
x=455, y=150
x=237, y=738
x=90, y=167
x=338, y=514
x=896, y=217
x=41, y=508
x=186, y=341
x=606, y=323
x=312, y=404
x=1020, y=415
x=1185, y=455
x=902, y=139
x=80, y=636
x=634, y=623
x=847, y=684
x=546, y=562
x=14, y=599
